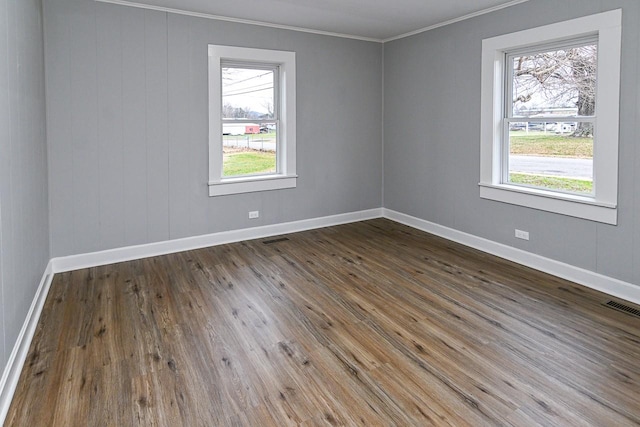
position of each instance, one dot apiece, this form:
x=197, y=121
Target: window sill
x=251, y=184
x=564, y=204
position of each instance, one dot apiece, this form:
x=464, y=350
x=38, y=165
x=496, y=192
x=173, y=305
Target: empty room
x=301, y=213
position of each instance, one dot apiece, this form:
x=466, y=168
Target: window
x=549, y=117
x=252, y=133
x=549, y=120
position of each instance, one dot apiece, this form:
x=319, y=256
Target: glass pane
x=555, y=83
x=248, y=94
x=551, y=155
x=249, y=149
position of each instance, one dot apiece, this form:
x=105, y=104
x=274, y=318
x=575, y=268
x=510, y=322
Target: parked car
x=562, y=127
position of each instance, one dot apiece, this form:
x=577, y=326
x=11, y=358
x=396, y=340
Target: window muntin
x=550, y=106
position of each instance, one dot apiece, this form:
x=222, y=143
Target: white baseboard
x=9, y=381
x=75, y=262
x=590, y=279
x=12, y=371
x=18, y=356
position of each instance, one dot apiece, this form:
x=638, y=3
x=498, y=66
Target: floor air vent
x=282, y=239
x=624, y=308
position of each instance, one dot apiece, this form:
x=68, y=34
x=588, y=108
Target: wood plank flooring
x=371, y=323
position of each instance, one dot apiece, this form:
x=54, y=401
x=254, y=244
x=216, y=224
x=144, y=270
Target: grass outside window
x=249, y=162
x=549, y=145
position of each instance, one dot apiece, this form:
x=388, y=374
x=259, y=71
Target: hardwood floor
x=372, y=323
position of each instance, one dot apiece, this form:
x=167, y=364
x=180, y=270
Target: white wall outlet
x=524, y=235
x=254, y=214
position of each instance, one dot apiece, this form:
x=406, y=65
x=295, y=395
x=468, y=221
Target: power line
x=247, y=91
x=251, y=91
x=225, y=89
x=249, y=78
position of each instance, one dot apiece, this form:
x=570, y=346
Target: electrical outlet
x=254, y=214
x=524, y=235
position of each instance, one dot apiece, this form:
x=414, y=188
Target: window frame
x=602, y=205
x=275, y=69
x=285, y=176
x=508, y=95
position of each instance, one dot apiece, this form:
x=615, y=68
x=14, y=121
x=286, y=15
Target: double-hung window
x=252, y=130
x=549, y=130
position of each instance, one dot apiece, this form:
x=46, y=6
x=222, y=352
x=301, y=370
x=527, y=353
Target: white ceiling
x=367, y=19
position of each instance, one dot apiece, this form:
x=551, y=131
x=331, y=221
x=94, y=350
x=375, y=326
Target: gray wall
x=127, y=133
x=24, y=230
x=432, y=140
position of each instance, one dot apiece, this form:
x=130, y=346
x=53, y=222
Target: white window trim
x=286, y=149
x=603, y=206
